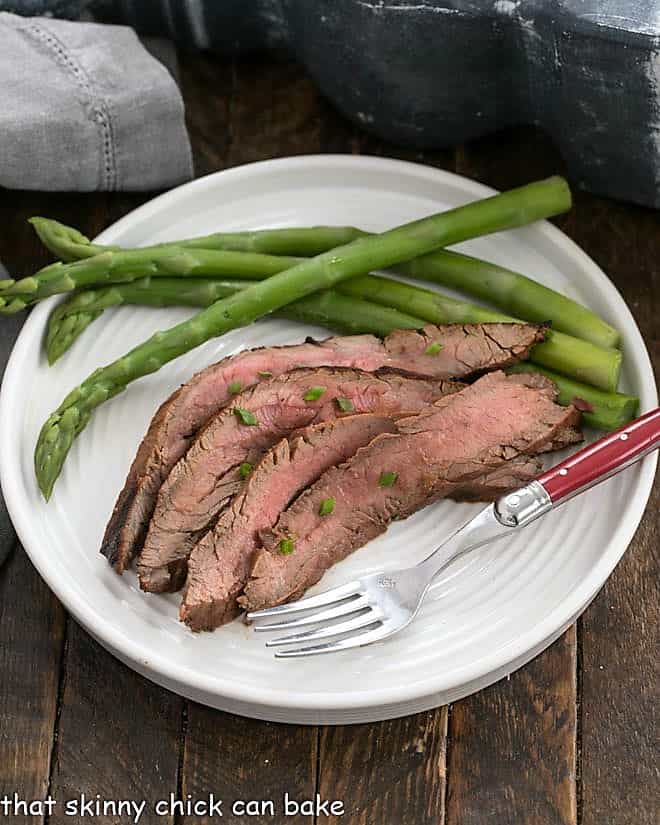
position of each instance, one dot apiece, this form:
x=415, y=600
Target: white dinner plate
x=490, y=613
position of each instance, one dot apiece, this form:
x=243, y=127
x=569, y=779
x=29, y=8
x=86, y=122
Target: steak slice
x=514, y=473
x=203, y=481
x=220, y=563
x=510, y=476
x=465, y=350
x=476, y=431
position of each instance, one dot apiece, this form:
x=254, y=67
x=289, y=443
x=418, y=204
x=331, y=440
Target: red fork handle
x=603, y=458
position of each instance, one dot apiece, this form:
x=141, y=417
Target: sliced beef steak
x=220, y=564
x=203, y=481
x=510, y=476
x=515, y=473
x=464, y=437
x=464, y=350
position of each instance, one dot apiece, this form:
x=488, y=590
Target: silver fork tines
x=329, y=597
x=344, y=608
x=359, y=640
x=372, y=608
x=363, y=619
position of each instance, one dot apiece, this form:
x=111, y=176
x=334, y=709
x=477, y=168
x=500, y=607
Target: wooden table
x=567, y=739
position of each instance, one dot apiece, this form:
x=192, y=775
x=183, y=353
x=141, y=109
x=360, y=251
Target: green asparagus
x=508, y=290
x=571, y=356
x=509, y=209
x=513, y=293
x=124, y=265
x=603, y=410
x=70, y=245
x=328, y=308
x=72, y=317
x=398, y=302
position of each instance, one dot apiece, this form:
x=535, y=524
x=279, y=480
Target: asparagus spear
x=69, y=319
x=413, y=306
x=68, y=244
x=603, y=410
x=115, y=266
x=514, y=208
x=508, y=290
x=512, y=292
x=329, y=308
x=72, y=317
x=571, y=356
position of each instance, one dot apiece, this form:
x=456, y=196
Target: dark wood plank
x=619, y=725
x=242, y=759
x=512, y=747
x=135, y=726
x=617, y=712
x=32, y=622
x=207, y=86
x=118, y=734
x=388, y=772
x=9, y=330
x=274, y=112
x=31, y=637
x=509, y=158
x=619, y=631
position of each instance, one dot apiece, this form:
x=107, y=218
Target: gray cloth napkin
x=86, y=107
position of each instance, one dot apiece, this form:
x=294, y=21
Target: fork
x=375, y=607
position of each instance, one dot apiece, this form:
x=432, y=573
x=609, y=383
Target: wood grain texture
x=243, y=759
x=32, y=622
x=31, y=636
x=620, y=630
x=207, y=85
x=388, y=772
x=512, y=747
x=274, y=112
x=620, y=688
x=118, y=734
x=8, y=333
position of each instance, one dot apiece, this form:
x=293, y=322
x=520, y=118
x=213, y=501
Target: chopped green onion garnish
x=265, y=374
x=387, y=479
x=245, y=469
x=246, y=417
x=286, y=547
x=433, y=349
x=313, y=393
x=235, y=387
x=327, y=506
x=344, y=404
